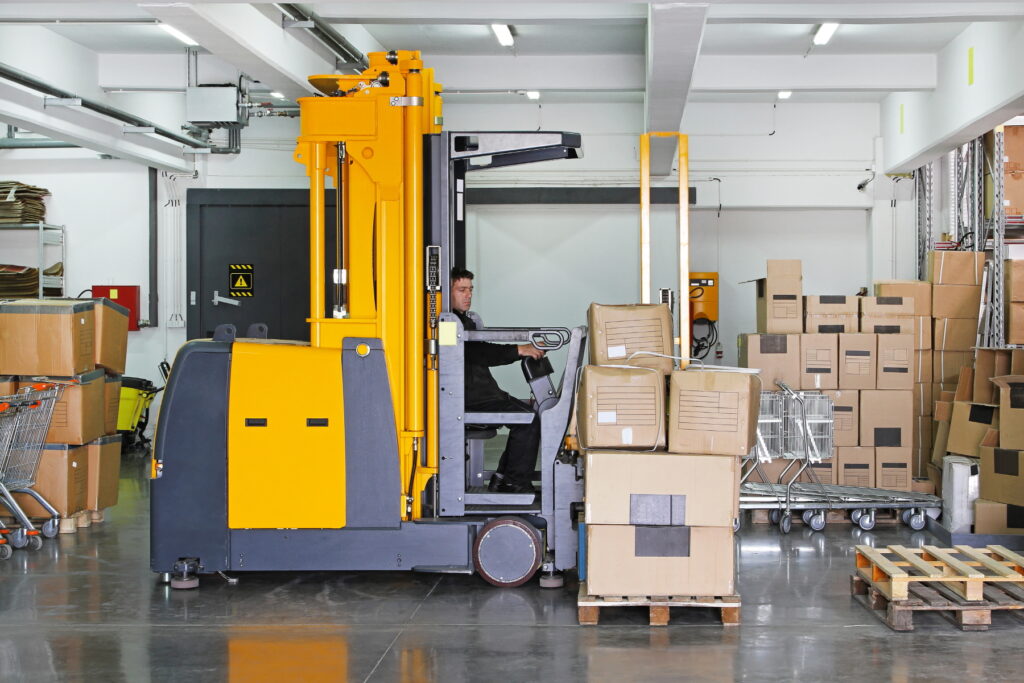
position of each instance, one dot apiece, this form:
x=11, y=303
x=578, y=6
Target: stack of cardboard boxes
x=861, y=352
x=1013, y=295
x=660, y=499
x=81, y=344
x=956, y=300
x=1000, y=507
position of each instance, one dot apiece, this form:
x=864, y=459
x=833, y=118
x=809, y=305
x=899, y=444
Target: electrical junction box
x=212, y=104
x=704, y=296
x=123, y=295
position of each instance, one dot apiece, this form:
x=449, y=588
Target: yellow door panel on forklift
x=286, y=438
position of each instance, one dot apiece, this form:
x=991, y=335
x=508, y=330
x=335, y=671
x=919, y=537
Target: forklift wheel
x=507, y=552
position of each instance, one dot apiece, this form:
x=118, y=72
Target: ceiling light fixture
x=178, y=34
x=785, y=94
x=532, y=94
x=277, y=95
x=825, y=33
x=504, y=34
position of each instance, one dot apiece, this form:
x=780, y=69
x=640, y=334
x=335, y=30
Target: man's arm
x=491, y=355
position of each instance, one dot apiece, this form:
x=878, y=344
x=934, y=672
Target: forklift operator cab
x=355, y=451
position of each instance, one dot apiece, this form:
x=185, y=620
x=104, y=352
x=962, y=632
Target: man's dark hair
x=459, y=273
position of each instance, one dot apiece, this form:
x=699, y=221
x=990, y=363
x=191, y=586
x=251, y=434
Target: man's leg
x=519, y=460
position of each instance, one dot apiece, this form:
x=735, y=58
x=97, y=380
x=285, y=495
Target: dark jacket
x=480, y=383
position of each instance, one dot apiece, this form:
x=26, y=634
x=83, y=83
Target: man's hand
x=530, y=351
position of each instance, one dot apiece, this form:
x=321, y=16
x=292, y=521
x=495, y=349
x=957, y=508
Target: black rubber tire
x=855, y=516
x=817, y=521
x=535, y=547
x=906, y=515
x=806, y=516
x=50, y=528
x=35, y=542
x=774, y=516
x=917, y=522
x=866, y=522
x=785, y=524
x=6, y=551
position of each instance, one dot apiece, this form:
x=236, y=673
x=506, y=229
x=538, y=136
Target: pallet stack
x=81, y=344
x=660, y=498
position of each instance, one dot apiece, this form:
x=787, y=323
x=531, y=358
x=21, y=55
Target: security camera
x=862, y=185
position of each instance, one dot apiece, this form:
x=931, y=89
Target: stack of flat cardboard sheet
x=20, y=282
x=21, y=203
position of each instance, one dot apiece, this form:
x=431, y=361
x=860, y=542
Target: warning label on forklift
x=241, y=279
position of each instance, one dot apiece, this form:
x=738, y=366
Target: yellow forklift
x=355, y=451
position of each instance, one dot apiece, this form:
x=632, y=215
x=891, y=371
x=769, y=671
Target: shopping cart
x=24, y=421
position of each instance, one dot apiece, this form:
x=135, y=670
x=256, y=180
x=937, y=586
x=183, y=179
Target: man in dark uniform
x=483, y=395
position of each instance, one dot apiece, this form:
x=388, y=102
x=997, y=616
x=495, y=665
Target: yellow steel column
x=645, y=218
x=684, y=251
x=317, y=168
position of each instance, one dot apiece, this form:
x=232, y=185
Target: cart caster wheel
x=185, y=584
x=785, y=524
x=736, y=524
x=906, y=515
x=774, y=516
x=50, y=528
x=916, y=522
x=817, y=522
x=5, y=552
x=18, y=538
x=35, y=542
x=807, y=515
x=552, y=580
x=855, y=516
x=866, y=522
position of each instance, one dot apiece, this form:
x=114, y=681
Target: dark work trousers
x=519, y=459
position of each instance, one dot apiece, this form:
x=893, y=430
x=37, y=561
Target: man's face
x=462, y=294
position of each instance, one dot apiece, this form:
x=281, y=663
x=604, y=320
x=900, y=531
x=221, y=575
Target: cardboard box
x=919, y=291
x=1002, y=474
x=943, y=392
x=959, y=491
x=923, y=485
x=819, y=355
x=955, y=268
x=935, y=477
x=956, y=334
x=1011, y=411
x=902, y=324
x=1015, y=323
x=895, y=362
x=713, y=412
x=104, y=472
x=991, y=517
x=989, y=363
x=946, y=365
x=886, y=419
x=893, y=469
x=956, y=301
x=887, y=307
x=62, y=479
x=111, y=335
x=832, y=324
x=968, y=427
x=53, y=337
x=923, y=366
x=846, y=416
x=8, y=385
x=924, y=404
x=856, y=466
x=857, y=361
x=831, y=305
x=965, y=385
x=112, y=402
x=826, y=471
x=780, y=298
x=79, y=416
x=777, y=356
x=621, y=408
x=660, y=560
x=660, y=489
x=617, y=332
x=1013, y=273
x=922, y=332
x=922, y=436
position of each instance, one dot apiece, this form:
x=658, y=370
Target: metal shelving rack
x=48, y=235
x=924, y=181
x=996, y=312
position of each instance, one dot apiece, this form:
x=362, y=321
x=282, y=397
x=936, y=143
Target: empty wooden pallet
x=659, y=607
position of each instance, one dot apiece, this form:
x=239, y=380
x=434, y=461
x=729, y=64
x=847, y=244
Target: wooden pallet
x=590, y=606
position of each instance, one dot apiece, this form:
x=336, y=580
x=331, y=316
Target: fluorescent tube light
x=178, y=34
x=277, y=95
x=503, y=33
x=785, y=94
x=533, y=94
x=825, y=33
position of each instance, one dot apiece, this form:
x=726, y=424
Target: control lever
x=218, y=299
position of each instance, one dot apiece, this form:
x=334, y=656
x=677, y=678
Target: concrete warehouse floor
x=86, y=607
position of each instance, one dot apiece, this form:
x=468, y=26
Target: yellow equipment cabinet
x=355, y=451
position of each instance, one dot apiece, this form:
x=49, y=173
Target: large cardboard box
x=895, y=362
x=780, y=298
x=831, y=304
x=777, y=356
x=946, y=365
x=956, y=334
x=1015, y=323
x=919, y=291
x=1014, y=280
x=1011, y=411
x=826, y=471
x=713, y=412
x=832, y=324
x=922, y=332
x=1002, y=475
x=893, y=468
x=989, y=363
x=923, y=401
x=47, y=337
x=955, y=268
x=104, y=472
x=660, y=560
x=8, y=385
x=62, y=479
x=79, y=416
x=617, y=332
x=923, y=438
x=660, y=489
x=846, y=416
x=970, y=423
x=111, y=335
x=819, y=356
x=894, y=324
x=621, y=408
x=995, y=518
x=923, y=366
x=856, y=466
x=886, y=419
x=956, y=301
x=887, y=307
x=858, y=354
x=112, y=402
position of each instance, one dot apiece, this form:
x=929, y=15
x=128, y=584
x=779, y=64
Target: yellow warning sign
x=241, y=279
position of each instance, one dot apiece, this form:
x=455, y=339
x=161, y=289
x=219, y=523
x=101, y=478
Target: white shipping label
x=627, y=436
x=617, y=351
x=606, y=417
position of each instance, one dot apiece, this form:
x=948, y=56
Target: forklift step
x=479, y=495
x=502, y=509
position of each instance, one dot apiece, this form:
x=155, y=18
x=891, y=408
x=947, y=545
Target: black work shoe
x=507, y=486
x=495, y=483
